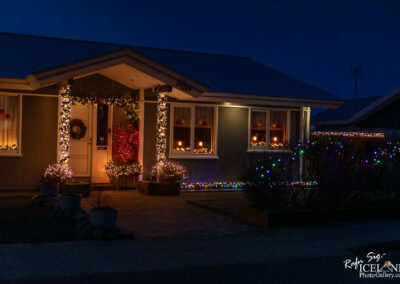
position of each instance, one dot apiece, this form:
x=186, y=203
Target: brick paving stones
x=180, y=235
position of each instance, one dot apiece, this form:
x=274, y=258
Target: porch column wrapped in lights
x=64, y=126
x=161, y=143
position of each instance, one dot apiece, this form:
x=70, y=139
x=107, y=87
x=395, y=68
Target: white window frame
x=18, y=152
x=192, y=154
x=267, y=148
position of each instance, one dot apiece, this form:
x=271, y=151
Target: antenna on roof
x=356, y=71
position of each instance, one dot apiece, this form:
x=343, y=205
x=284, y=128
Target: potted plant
x=53, y=176
x=102, y=215
x=123, y=175
x=165, y=179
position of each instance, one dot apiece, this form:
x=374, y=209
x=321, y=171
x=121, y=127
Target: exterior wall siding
x=39, y=145
x=149, y=142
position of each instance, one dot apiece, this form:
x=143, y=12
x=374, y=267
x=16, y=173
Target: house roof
x=354, y=111
x=21, y=55
x=345, y=111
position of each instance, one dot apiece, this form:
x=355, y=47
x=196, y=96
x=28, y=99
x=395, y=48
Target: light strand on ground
x=350, y=134
x=236, y=186
x=64, y=126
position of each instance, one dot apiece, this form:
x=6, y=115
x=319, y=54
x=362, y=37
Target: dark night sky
x=316, y=41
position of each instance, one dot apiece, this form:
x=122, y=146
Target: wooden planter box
x=266, y=219
x=159, y=188
x=125, y=182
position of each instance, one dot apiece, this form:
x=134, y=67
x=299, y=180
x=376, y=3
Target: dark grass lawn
x=22, y=223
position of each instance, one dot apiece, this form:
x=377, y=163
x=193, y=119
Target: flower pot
x=70, y=201
x=125, y=182
x=48, y=190
x=106, y=218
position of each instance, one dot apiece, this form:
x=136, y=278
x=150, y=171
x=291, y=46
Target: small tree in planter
x=165, y=179
x=124, y=169
x=53, y=176
x=102, y=215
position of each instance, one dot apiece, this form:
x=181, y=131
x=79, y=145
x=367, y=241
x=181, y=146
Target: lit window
x=277, y=129
x=268, y=129
x=9, y=125
x=182, y=125
x=203, y=133
x=193, y=130
x=258, y=135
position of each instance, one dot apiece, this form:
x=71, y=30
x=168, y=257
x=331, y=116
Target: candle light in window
x=200, y=143
x=254, y=138
x=180, y=143
x=275, y=139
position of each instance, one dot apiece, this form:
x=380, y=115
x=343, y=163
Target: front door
x=81, y=148
x=102, y=142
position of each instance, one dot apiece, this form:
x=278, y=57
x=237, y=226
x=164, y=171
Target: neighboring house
x=221, y=109
x=370, y=113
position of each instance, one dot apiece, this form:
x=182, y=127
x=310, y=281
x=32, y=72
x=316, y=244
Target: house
x=218, y=109
x=380, y=113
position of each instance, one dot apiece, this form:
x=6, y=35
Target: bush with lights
x=114, y=169
x=169, y=171
x=56, y=174
x=339, y=171
x=352, y=171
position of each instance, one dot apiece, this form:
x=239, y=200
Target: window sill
x=10, y=154
x=269, y=151
x=192, y=156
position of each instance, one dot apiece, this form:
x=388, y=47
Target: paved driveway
x=166, y=216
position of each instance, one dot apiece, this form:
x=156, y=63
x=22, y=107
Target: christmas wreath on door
x=77, y=129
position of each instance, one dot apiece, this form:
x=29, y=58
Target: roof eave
x=270, y=100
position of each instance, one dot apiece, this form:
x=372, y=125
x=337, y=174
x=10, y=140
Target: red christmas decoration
x=178, y=123
x=204, y=124
x=1, y=111
x=125, y=144
x=99, y=100
x=7, y=117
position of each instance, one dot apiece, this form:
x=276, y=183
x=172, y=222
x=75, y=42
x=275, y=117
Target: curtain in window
x=9, y=122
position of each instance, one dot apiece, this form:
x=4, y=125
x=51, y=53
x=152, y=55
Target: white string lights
x=161, y=143
x=64, y=126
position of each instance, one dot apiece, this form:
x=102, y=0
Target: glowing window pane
x=258, y=129
x=277, y=130
x=204, y=130
x=181, y=129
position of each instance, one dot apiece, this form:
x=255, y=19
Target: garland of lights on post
x=161, y=144
x=65, y=119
